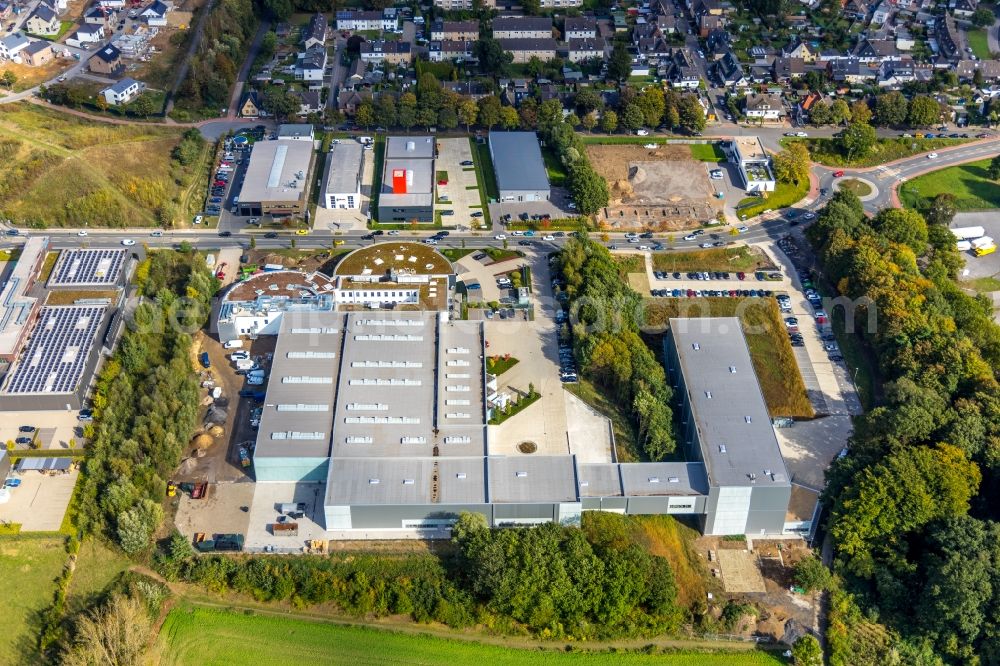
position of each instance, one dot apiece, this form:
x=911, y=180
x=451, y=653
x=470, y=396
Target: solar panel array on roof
x=87, y=267
x=57, y=352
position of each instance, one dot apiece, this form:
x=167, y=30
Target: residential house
x=852, y=71
x=37, y=53
x=949, y=41
x=5, y=9
x=666, y=24
x=317, y=32
x=155, y=14
x=764, y=107
x=348, y=101
x=356, y=72
x=310, y=102
x=464, y=5
x=892, y=74
x=512, y=91
x=904, y=40
x=882, y=13
x=123, y=92
x=652, y=49
x=111, y=4
x=105, y=18
x=963, y=8
x=709, y=22
x=249, y=106
x=524, y=48
x=798, y=49
x=86, y=35
x=966, y=69
x=786, y=70
x=578, y=50
x=579, y=27
x=682, y=72
x=354, y=20
x=456, y=31
x=728, y=72
x=707, y=8
x=754, y=164
x=43, y=21
x=557, y=4
x=107, y=62
x=390, y=52
x=856, y=9
x=471, y=89
x=451, y=50
x=875, y=50
x=12, y=45
x=311, y=65
x=523, y=27
x=718, y=43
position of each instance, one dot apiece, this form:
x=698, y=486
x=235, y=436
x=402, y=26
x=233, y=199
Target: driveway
x=484, y=271
x=461, y=190
x=40, y=502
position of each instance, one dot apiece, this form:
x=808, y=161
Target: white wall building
x=754, y=164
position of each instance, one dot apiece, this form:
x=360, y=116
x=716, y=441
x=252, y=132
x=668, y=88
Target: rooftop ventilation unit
x=722, y=448
x=654, y=479
x=372, y=482
x=520, y=475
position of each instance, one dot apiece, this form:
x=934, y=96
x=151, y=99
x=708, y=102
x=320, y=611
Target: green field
x=826, y=151
x=858, y=187
x=979, y=43
x=29, y=567
x=784, y=195
x=740, y=258
x=203, y=637
x=97, y=566
x=707, y=152
x=969, y=183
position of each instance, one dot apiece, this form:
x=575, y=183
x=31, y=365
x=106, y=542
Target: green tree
x=620, y=62
x=8, y=79
x=137, y=525
x=407, y=113
x=278, y=10
x=890, y=109
x=587, y=100
x=840, y=112
x=632, y=118
x=820, y=113
x=609, y=122
x=791, y=165
x=994, y=169
x=468, y=112
x=385, y=111
x=447, y=118
x=142, y=106
x=943, y=207
x=653, y=104
x=279, y=103
x=811, y=574
x=903, y=225
x=861, y=112
x=489, y=111
x=590, y=191
x=807, y=652
x=589, y=121
x=983, y=17
x=492, y=58
x=857, y=140
x=365, y=115
x=509, y=118
x=690, y=114
x=924, y=111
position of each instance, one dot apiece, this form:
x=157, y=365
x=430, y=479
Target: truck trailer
x=968, y=233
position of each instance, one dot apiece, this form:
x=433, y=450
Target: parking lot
x=54, y=429
x=39, y=503
x=462, y=201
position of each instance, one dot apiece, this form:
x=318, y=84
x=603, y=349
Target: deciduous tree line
x=914, y=503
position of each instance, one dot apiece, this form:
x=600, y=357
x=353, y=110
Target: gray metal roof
x=527, y=479
x=419, y=190
x=294, y=130
x=517, y=161
x=343, y=168
x=404, y=481
x=652, y=479
x=731, y=418
x=599, y=480
x=273, y=173
x=409, y=147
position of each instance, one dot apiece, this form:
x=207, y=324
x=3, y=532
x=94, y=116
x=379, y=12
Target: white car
x=430, y=241
x=801, y=135
x=571, y=206
x=690, y=237
x=156, y=234
x=715, y=174
x=743, y=229
x=394, y=232
x=809, y=216
x=127, y=241
x=650, y=146
x=500, y=237
x=550, y=237
x=705, y=245
x=644, y=248
x=931, y=156
x=81, y=232
x=642, y=132
x=198, y=219
x=516, y=233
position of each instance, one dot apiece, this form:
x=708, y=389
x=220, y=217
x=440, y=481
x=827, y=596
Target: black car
x=524, y=243
x=559, y=234
x=368, y=237
x=23, y=440
x=377, y=232
x=648, y=234
x=466, y=163
x=270, y=234
x=26, y=429
x=225, y=234
x=477, y=213
x=12, y=232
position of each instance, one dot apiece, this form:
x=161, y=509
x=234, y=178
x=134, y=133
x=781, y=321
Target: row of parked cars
x=223, y=173
x=715, y=293
x=815, y=301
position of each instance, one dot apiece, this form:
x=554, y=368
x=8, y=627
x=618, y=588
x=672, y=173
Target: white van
x=233, y=344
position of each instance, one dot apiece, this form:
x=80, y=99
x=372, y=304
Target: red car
x=442, y=182
x=838, y=174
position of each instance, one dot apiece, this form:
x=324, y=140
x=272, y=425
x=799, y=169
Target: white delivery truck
x=968, y=233
x=244, y=364
x=964, y=245
x=233, y=344
x=984, y=245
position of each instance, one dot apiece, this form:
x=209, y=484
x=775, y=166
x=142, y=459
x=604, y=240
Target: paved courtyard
x=40, y=502
x=462, y=189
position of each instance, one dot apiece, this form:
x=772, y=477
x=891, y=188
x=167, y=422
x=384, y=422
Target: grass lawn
x=130, y=179
x=378, y=154
x=770, y=350
x=825, y=151
x=664, y=536
x=858, y=187
x=203, y=636
x=969, y=183
x=485, y=176
x=497, y=365
x=784, y=195
x=740, y=258
x=554, y=168
x=984, y=284
x=621, y=140
x=707, y=152
x=979, y=43
x=29, y=567
x=97, y=566
x=515, y=408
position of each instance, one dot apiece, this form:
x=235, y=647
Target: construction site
x=655, y=189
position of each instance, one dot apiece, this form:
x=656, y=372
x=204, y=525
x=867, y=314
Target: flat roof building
x=342, y=178
x=520, y=170
x=754, y=164
x=17, y=309
x=407, y=192
x=277, y=179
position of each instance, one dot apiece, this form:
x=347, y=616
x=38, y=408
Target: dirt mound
x=202, y=441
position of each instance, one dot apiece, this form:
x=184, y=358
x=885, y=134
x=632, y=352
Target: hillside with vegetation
x=914, y=503
x=63, y=171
